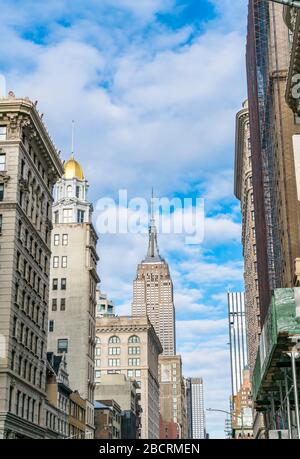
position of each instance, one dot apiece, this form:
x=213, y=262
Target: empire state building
x=153, y=293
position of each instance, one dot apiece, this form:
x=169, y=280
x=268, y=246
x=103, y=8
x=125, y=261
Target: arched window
x=114, y=340
x=134, y=339
x=98, y=340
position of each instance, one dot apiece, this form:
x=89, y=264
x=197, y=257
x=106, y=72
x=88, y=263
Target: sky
x=153, y=87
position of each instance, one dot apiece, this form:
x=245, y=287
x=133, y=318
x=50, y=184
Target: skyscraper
x=29, y=167
x=74, y=280
x=238, y=338
x=153, y=293
x=195, y=408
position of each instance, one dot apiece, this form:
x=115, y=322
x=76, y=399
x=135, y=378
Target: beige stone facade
x=73, y=279
x=172, y=399
x=130, y=346
x=29, y=167
x=244, y=192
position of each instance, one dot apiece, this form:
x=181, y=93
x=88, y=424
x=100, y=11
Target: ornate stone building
x=29, y=167
x=130, y=346
x=74, y=279
x=243, y=187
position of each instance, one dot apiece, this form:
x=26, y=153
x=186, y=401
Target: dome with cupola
x=73, y=169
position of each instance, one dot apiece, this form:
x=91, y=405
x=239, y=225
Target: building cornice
x=22, y=113
x=242, y=118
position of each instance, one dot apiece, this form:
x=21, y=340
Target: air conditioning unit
x=278, y=434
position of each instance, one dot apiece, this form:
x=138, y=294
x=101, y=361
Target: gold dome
x=73, y=169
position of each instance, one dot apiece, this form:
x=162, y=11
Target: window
x=62, y=346
x=113, y=362
x=63, y=284
x=2, y=162
x=114, y=340
x=133, y=350
x=80, y=216
x=51, y=325
x=1, y=191
x=98, y=351
x=134, y=339
x=98, y=363
x=133, y=362
x=77, y=192
x=56, y=216
x=64, y=239
x=63, y=304
x=64, y=262
x=114, y=350
x=54, y=304
x=1, y=221
x=98, y=373
x=2, y=133
x=56, y=239
x=54, y=284
x=69, y=191
x=130, y=373
x=67, y=215
x=138, y=373
x=55, y=262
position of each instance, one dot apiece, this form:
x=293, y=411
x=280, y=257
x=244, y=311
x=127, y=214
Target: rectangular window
x=55, y=262
x=77, y=192
x=1, y=191
x=62, y=346
x=98, y=363
x=138, y=373
x=113, y=362
x=133, y=362
x=80, y=216
x=1, y=222
x=64, y=239
x=2, y=162
x=134, y=350
x=63, y=284
x=54, y=284
x=56, y=217
x=3, y=131
x=67, y=215
x=54, y=304
x=64, y=262
x=98, y=351
x=114, y=351
x=56, y=239
x=98, y=373
x=63, y=304
x=51, y=325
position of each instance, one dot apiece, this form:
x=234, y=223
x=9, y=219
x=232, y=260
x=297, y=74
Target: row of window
x=26, y=370
x=63, y=283
x=64, y=239
x=30, y=307
x=63, y=264
x=68, y=216
x=25, y=406
x=116, y=340
x=32, y=247
x=27, y=337
x=55, y=304
x=132, y=350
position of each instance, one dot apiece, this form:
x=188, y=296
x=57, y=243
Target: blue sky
x=154, y=86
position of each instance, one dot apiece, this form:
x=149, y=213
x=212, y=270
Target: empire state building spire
x=153, y=252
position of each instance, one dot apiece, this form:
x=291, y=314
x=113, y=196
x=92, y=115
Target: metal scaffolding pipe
x=288, y=407
x=294, y=353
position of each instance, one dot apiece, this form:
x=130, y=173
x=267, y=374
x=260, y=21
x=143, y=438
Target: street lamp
x=294, y=3
x=231, y=413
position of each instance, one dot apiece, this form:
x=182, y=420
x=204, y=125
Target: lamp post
x=231, y=413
